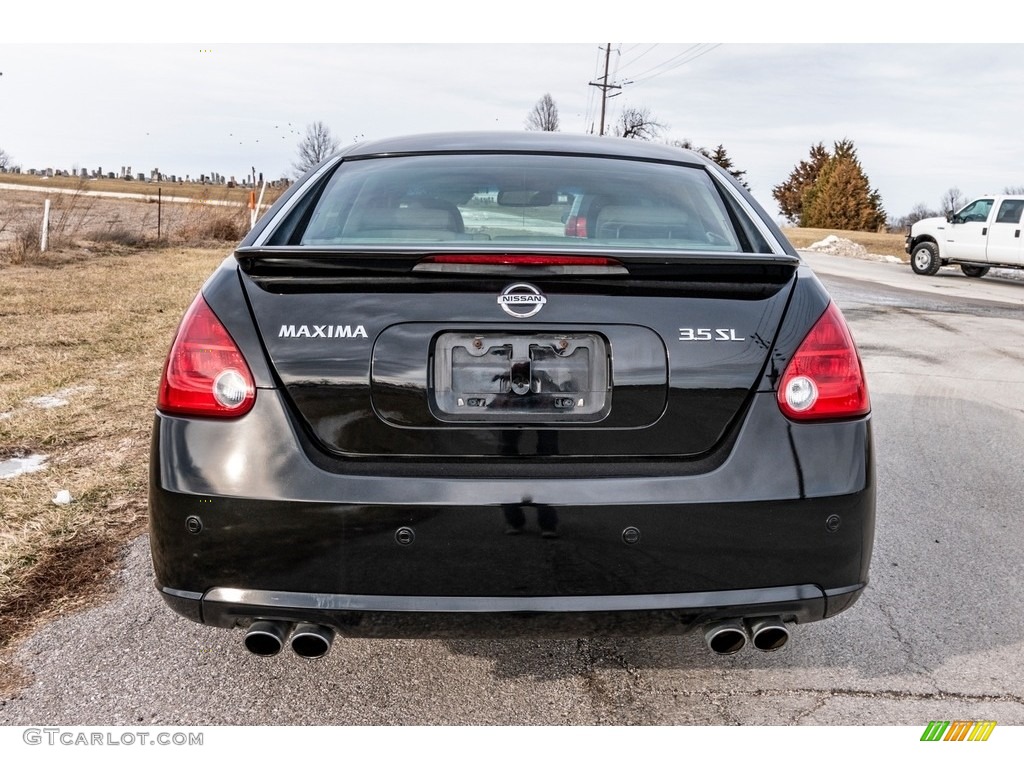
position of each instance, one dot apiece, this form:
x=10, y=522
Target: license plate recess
x=535, y=377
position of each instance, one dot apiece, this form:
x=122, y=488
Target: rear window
x=521, y=200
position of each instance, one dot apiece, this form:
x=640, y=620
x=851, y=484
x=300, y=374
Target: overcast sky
x=924, y=117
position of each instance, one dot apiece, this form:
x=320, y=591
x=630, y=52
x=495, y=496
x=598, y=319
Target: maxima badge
x=522, y=300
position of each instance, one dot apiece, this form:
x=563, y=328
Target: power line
x=688, y=51
x=638, y=57
x=614, y=80
x=690, y=54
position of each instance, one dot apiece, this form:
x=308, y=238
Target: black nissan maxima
x=493, y=384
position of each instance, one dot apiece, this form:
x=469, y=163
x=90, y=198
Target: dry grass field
x=84, y=329
x=191, y=190
x=79, y=217
x=82, y=342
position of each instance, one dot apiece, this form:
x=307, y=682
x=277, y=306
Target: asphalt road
x=938, y=634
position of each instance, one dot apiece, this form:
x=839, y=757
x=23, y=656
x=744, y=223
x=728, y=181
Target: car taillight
x=205, y=373
x=825, y=379
x=576, y=226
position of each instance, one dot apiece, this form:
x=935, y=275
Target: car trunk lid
x=398, y=355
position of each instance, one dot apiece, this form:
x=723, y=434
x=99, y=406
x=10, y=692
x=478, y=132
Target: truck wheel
x=925, y=259
x=974, y=271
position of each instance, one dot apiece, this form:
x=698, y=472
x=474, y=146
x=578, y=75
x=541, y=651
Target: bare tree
x=638, y=123
x=317, y=144
x=952, y=200
x=918, y=212
x=543, y=116
x=5, y=158
x=1013, y=190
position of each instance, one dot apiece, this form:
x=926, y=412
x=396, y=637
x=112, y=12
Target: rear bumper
x=495, y=617
x=587, y=548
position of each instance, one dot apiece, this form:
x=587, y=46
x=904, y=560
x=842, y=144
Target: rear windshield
x=522, y=200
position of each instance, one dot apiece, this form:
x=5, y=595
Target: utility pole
x=604, y=86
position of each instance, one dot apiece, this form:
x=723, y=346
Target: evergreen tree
x=721, y=158
x=718, y=155
x=790, y=193
x=841, y=196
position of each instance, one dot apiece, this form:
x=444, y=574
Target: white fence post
x=46, y=225
x=259, y=203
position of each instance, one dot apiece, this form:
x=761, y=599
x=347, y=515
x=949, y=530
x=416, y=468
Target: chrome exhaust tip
x=311, y=641
x=266, y=638
x=768, y=633
x=725, y=637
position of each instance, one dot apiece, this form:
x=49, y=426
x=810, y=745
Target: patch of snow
x=62, y=497
x=840, y=246
x=1008, y=274
x=19, y=466
x=56, y=399
x=47, y=401
x=5, y=415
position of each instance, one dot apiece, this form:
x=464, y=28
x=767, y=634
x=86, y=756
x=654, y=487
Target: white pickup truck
x=984, y=233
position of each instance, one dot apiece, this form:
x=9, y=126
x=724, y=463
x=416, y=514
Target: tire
x=924, y=259
x=974, y=271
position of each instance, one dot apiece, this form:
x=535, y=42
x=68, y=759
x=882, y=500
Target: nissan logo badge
x=521, y=300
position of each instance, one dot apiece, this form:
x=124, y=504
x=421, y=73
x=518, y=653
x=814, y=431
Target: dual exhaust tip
x=726, y=637
x=310, y=641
